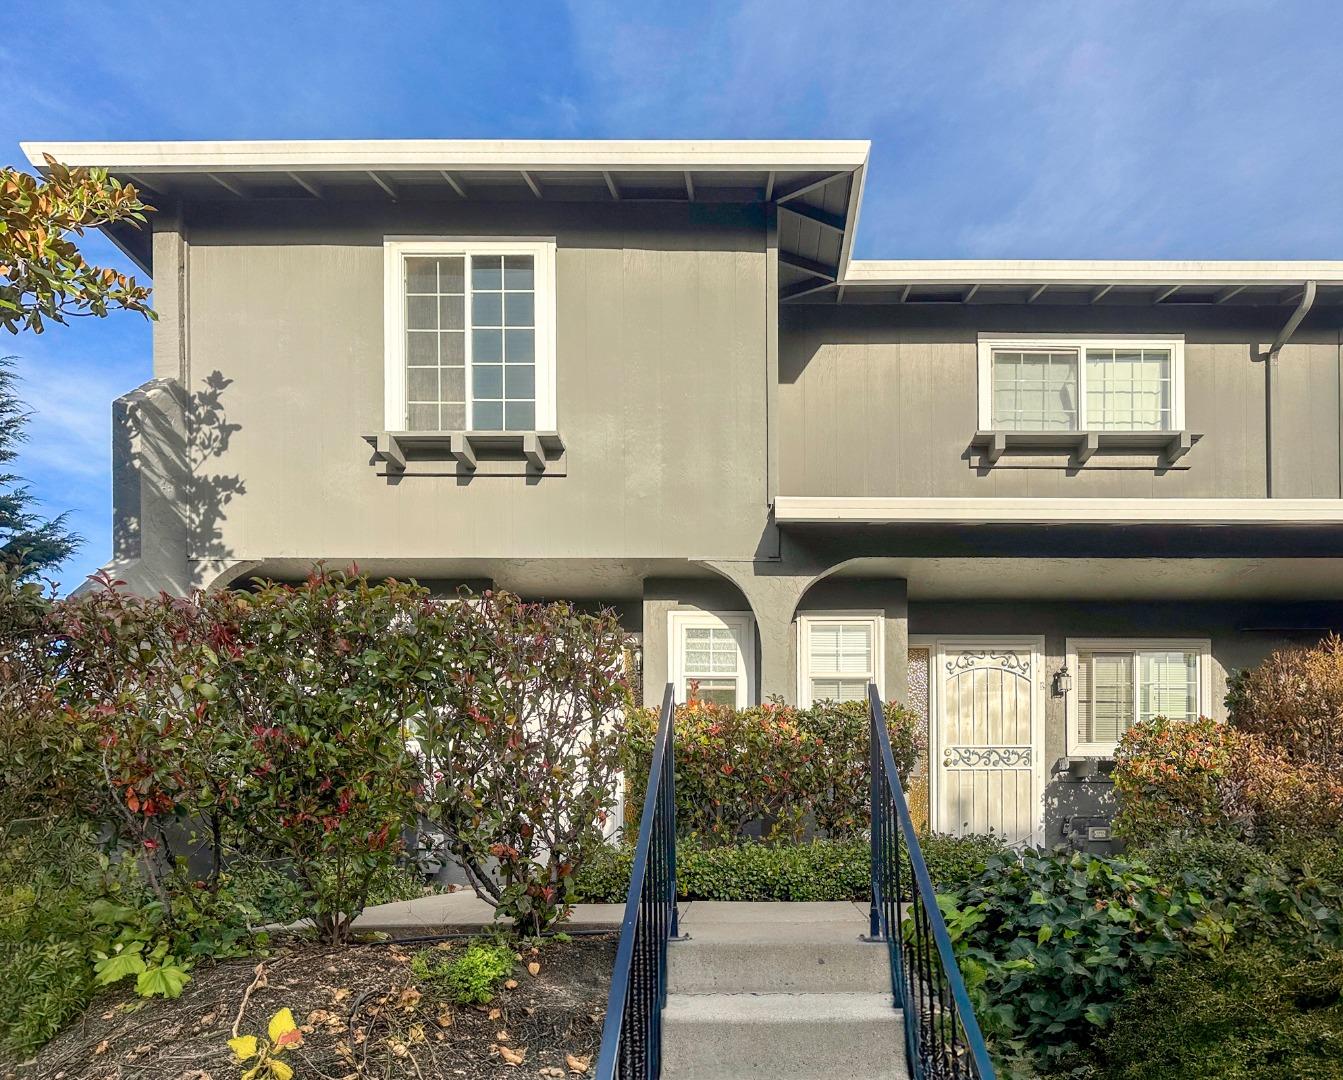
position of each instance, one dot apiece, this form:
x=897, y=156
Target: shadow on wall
x=168, y=506
x=208, y=493
x=1078, y=804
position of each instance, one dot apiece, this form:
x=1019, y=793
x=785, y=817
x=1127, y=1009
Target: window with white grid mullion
x=1128, y=389
x=1035, y=390
x=840, y=658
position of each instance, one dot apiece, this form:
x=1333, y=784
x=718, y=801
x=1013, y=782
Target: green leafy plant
x=469, y=979
x=316, y=696
x=1173, y=774
x=522, y=745
x=771, y=769
x=1049, y=943
x=46, y=983
x=1257, y=1011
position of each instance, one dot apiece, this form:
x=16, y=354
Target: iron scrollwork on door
x=986, y=757
x=1010, y=662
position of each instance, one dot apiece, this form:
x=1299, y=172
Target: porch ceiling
x=1064, y=579
x=609, y=580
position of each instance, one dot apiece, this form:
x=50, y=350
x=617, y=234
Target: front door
x=986, y=743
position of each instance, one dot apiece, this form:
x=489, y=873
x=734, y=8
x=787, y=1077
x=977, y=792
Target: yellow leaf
x=243, y=1047
x=282, y=1024
x=280, y=1070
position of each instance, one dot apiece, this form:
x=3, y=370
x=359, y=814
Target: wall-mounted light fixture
x=1063, y=681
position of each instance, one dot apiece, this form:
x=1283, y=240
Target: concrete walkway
x=465, y=911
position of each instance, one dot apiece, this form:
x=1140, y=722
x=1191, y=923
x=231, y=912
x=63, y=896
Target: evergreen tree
x=29, y=543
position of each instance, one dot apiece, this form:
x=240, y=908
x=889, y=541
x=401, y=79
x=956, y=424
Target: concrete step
x=830, y=1036
x=759, y=959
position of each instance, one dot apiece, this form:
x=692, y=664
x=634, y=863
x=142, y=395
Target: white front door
x=986, y=742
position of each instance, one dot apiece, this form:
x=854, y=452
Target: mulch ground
x=362, y=1014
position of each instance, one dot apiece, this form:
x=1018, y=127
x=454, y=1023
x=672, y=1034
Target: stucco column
x=149, y=490
x=773, y=589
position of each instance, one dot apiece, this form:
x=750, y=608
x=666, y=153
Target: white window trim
x=742, y=625
x=807, y=620
x=989, y=342
x=395, y=251
x=1203, y=706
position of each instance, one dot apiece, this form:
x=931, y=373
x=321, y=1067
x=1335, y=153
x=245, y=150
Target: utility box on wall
x=1081, y=800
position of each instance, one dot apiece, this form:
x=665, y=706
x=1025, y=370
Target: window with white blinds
x=838, y=657
x=1120, y=683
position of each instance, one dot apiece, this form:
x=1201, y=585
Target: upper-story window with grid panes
x=470, y=335
x=1081, y=384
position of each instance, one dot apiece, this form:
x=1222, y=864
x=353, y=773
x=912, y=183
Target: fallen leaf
x=397, y=1048
x=511, y=1056
x=341, y=994
x=101, y=1048
x=343, y=1050
x=534, y=968
x=578, y=1065
x=551, y=1070
x=511, y=984
x=319, y=1016
x=495, y=1014
x=445, y=1019
x=208, y=1019
x=415, y=1034
x=501, y=1036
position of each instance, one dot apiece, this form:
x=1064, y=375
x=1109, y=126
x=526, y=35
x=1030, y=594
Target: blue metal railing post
x=942, y=1034
x=671, y=799
x=632, y=1031
x=874, y=793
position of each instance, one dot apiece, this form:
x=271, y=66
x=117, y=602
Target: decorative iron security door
x=987, y=738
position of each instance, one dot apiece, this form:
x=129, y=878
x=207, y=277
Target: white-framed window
x=1067, y=383
x=1120, y=681
x=838, y=655
x=470, y=334
x=712, y=655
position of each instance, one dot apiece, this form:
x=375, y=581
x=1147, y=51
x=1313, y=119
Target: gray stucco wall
x=1241, y=636
x=881, y=400
x=661, y=384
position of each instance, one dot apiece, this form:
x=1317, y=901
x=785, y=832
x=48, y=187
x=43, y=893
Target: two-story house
x=1037, y=500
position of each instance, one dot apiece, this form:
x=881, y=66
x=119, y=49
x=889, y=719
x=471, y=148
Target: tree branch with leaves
x=43, y=276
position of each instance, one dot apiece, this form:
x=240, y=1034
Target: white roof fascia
x=390, y=155
x=1025, y=272
x=804, y=509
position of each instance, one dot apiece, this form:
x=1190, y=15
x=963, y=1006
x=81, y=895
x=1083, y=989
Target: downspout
x=1289, y=328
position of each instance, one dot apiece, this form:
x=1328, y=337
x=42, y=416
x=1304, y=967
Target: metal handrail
x=942, y=1036
x=632, y=1032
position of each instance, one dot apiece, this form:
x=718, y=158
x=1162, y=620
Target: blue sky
x=1035, y=128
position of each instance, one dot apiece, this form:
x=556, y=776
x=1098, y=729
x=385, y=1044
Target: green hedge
x=1254, y=1011
x=819, y=870
x=784, y=772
